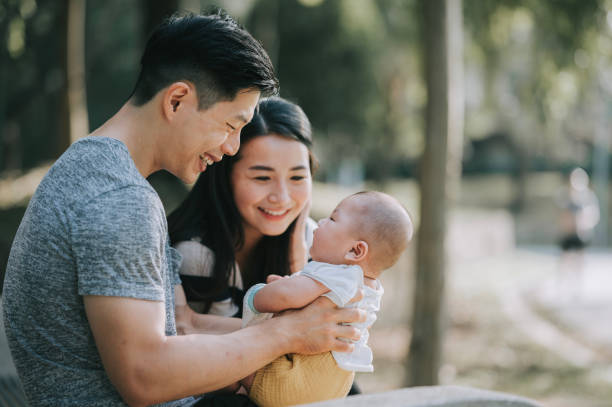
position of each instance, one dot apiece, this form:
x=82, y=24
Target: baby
x=365, y=235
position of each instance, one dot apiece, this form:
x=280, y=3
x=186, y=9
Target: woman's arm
x=288, y=293
x=190, y=322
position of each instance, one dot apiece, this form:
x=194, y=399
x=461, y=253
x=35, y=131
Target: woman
x=246, y=216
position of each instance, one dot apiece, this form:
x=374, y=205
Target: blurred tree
x=439, y=172
x=31, y=83
x=73, y=120
x=536, y=60
x=327, y=56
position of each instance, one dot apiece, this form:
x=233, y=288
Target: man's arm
x=147, y=367
x=190, y=322
x=288, y=293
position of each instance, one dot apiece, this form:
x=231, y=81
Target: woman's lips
x=273, y=214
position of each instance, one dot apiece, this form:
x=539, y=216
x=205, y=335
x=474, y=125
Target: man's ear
x=175, y=97
x=358, y=252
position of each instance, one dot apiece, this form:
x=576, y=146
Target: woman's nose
x=280, y=194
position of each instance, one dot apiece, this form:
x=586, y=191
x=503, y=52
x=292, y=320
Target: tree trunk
x=74, y=122
x=77, y=100
x=439, y=175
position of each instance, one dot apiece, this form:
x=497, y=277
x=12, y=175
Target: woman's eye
x=297, y=177
x=262, y=178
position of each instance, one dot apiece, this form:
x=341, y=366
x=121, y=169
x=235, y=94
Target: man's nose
x=232, y=144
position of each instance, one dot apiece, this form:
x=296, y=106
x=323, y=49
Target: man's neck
x=137, y=128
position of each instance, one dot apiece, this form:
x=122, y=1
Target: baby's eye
x=232, y=128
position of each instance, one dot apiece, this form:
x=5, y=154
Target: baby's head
x=370, y=229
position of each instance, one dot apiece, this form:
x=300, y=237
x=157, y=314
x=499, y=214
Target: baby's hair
x=385, y=225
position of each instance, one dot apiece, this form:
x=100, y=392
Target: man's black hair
x=213, y=52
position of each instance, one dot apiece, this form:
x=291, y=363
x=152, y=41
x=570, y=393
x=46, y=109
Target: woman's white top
x=199, y=260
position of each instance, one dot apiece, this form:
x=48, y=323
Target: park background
x=471, y=112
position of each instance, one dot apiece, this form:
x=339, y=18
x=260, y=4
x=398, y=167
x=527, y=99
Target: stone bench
x=434, y=396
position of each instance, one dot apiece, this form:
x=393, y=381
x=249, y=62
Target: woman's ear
x=175, y=97
x=358, y=252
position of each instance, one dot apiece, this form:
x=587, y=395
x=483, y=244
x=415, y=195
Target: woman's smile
x=274, y=214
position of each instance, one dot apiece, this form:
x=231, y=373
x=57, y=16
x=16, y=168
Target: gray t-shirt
x=94, y=226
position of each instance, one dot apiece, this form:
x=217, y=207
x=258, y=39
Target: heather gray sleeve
x=176, y=258
x=118, y=241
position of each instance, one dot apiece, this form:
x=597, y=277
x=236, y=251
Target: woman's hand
x=274, y=277
x=298, y=255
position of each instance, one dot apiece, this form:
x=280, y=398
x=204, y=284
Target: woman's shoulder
x=198, y=259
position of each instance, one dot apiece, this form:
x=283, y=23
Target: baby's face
x=334, y=237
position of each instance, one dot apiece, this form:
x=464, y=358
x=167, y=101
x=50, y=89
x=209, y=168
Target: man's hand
x=317, y=327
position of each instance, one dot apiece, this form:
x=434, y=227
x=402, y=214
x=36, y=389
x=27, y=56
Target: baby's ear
x=358, y=252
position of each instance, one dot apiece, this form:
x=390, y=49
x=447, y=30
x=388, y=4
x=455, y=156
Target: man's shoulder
x=96, y=169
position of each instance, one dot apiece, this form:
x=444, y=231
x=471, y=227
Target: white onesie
x=343, y=282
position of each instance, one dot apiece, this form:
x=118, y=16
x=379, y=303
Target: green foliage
x=534, y=70
x=536, y=64
x=340, y=62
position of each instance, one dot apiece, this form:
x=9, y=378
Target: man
x=88, y=295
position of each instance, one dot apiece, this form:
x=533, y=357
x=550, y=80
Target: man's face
x=335, y=236
x=202, y=137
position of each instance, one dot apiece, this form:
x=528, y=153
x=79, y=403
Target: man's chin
x=188, y=179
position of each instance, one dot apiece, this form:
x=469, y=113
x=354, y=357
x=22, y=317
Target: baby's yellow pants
x=299, y=379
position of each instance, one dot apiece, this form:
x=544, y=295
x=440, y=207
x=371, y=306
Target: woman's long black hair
x=209, y=212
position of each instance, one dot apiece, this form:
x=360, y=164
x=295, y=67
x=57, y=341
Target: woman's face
x=271, y=183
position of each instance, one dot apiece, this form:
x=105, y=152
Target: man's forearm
x=210, y=362
x=147, y=367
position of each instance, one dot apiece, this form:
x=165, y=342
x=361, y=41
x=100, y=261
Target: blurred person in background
x=579, y=214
